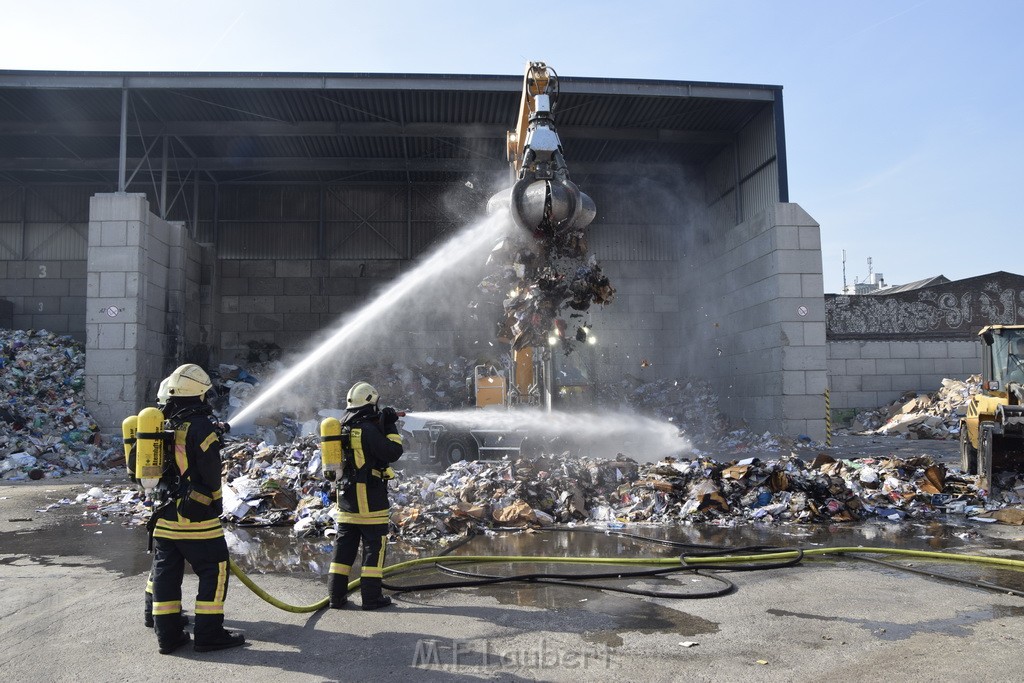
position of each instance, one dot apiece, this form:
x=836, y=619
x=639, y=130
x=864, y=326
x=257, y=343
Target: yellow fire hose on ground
x=684, y=561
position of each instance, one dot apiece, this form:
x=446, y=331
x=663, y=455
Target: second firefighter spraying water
x=358, y=452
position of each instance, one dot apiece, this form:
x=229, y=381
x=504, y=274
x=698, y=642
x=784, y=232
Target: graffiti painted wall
x=955, y=310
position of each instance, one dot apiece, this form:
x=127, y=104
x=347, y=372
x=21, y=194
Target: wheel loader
x=992, y=432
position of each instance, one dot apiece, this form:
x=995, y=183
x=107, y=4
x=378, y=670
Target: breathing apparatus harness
x=171, y=485
x=338, y=455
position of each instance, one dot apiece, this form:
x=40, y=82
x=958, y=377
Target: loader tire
x=456, y=446
x=968, y=453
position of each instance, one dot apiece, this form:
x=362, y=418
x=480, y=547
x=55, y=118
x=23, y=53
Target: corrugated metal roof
x=65, y=126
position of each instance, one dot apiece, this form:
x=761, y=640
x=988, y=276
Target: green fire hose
x=722, y=561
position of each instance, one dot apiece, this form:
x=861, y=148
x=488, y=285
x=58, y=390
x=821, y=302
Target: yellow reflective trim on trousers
x=339, y=568
x=397, y=438
x=376, y=570
x=149, y=587
x=222, y=584
x=170, y=607
x=209, y=606
x=188, y=536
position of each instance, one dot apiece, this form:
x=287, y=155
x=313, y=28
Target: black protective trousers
x=345, y=550
x=209, y=560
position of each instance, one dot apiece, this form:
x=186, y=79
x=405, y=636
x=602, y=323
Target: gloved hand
x=388, y=416
x=329, y=475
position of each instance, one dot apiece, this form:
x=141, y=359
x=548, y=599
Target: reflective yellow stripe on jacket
x=185, y=530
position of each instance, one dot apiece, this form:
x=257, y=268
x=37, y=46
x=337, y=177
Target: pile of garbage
x=558, y=490
x=267, y=485
x=45, y=429
x=922, y=416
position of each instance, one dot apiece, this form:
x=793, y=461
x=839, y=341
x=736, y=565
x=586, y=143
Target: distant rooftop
x=917, y=284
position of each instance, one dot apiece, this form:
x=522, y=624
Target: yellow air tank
x=149, y=448
x=128, y=428
x=330, y=445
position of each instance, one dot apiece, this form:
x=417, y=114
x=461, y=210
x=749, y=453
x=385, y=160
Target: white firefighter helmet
x=188, y=380
x=361, y=394
x=163, y=393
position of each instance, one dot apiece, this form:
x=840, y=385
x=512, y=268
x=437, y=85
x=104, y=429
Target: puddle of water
x=74, y=534
x=959, y=625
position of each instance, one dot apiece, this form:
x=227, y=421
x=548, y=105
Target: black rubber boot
x=373, y=596
x=376, y=603
x=337, y=585
x=222, y=641
x=169, y=636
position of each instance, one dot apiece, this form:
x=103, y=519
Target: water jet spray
x=466, y=246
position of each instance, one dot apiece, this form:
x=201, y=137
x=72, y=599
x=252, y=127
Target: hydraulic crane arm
x=543, y=198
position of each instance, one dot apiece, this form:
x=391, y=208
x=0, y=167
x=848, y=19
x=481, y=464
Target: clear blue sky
x=903, y=117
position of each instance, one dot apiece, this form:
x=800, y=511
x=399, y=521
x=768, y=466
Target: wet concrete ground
x=76, y=578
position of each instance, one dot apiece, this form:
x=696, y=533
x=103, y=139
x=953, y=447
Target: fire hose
x=705, y=559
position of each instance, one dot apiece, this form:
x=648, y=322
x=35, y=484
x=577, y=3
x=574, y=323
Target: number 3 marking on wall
x=42, y=271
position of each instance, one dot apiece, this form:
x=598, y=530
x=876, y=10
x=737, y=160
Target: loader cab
x=992, y=430
x=1002, y=358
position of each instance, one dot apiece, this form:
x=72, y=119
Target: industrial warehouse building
x=172, y=216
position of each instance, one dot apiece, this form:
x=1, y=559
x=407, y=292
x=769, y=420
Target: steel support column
x=122, y=161
x=163, y=182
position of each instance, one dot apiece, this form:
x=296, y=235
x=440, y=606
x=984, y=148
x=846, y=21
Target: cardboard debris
x=926, y=416
x=1006, y=515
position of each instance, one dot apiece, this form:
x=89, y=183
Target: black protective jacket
x=195, y=512
x=369, y=449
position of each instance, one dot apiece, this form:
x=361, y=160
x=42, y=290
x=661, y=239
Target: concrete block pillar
x=758, y=321
x=134, y=263
x=115, y=307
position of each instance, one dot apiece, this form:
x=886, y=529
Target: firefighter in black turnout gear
x=187, y=526
x=370, y=443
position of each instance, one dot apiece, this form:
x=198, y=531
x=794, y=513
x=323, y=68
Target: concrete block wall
x=46, y=295
x=754, y=321
x=292, y=303
x=868, y=374
x=639, y=334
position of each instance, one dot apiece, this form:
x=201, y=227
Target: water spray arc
x=468, y=245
